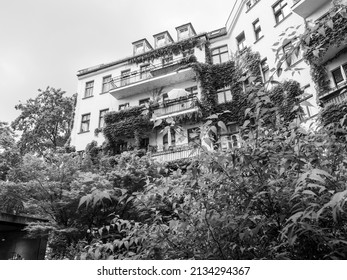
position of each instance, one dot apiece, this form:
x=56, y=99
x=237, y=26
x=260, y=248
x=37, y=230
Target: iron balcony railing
x=336, y=95
x=175, y=106
x=153, y=70
x=174, y=152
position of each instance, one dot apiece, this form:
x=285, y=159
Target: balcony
x=336, y=95
x=174, y=107
x=175, y=153
x=305, y=8
x=154, y=76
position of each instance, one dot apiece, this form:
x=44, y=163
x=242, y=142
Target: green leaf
x=158, y=122
x=222, y=125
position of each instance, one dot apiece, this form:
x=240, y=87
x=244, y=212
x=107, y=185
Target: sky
x=45, y=42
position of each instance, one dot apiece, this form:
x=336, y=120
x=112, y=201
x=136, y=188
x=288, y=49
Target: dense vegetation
x=281, y=195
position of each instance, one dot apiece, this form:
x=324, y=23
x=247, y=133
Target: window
x=193, y=135
x=192, y=90
x=121, y=146
x=85, y=123
x=167, y=60
x=280, y=10
x=166, y=139
x=339, y=74
x=251, y=3
x=241, y=41
x=144, y=71
x=257, y=30
x=220, y=54
x=123, y=106
x=139, y=48
x=106, y=83
x=265, y=72
x=144, y=101
x=230, y=138
x=165, y=97
x=89, y=89
x=102, y=118
x=187, y=53
x=224, y=96
x=183, y=32
x=292, y=54
x=160, y=40
x=125, y=77
x=144, y=143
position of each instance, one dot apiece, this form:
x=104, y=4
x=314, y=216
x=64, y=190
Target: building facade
x=154, y=74
x=151, y=74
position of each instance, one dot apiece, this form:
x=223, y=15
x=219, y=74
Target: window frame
x=123, y=106
x=219, y=54
x=144, y=101
x=106, y=86
x=125, y=77
x=279, y=14
x=241, y=42
x=89, y=88
x=265, y=69
x=224, y=91
x=144, y=71
x=257, y=29
x=102, y=117
x=85, y=121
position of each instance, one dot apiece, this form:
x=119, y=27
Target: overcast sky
x=45, y=42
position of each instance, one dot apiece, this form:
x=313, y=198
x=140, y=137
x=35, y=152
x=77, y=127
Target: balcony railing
x=178, y=105
x=336, y=95
x=175, y=153
x=153, y=70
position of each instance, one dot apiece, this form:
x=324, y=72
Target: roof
x=99, y=67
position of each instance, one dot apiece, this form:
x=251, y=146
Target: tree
x=45, y=121
x=9, y=155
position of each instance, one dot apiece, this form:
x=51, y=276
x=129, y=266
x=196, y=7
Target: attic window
x=139, y=48
x=160, y=40
x=183, y=32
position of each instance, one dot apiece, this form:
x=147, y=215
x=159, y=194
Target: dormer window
x=185, y=31
x=141, y=46
x=162, y=39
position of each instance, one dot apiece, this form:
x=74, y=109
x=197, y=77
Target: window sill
x=101, y=93
x=256, y=41
x=287, y=16
x=82, y=132
x=86, y=97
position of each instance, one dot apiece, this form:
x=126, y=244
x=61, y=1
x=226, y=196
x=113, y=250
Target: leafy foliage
x=45, y=121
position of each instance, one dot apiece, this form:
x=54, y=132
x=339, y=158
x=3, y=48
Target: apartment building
x=328, y=39
x=265, y=26
x=150, y=75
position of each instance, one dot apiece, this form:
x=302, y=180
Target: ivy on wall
x=172, y=49
x=284, y=96
x=128, y=123
x=330, y=31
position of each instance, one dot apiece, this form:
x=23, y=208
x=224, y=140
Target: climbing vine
x=330, y=31
x=173, y=49
x=128, y=123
